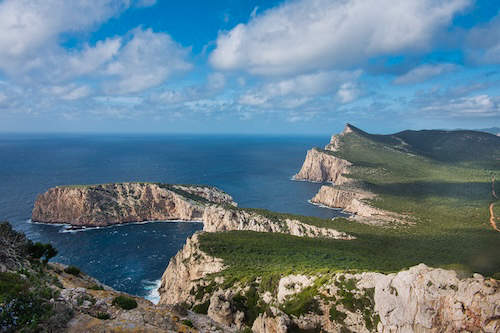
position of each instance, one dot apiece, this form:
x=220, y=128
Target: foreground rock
x=420, y=299
x=52, y=298
x=109, y=204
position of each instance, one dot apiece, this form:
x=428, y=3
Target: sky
x=242, y=66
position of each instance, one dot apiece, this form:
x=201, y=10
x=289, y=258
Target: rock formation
x=320, y=166
x=323, y=165
x=420, y=299
x=108, y=204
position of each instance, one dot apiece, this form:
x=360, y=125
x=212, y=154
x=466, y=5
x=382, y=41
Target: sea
x=255, y=170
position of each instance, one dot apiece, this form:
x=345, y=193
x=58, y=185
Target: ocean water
x=255, y=170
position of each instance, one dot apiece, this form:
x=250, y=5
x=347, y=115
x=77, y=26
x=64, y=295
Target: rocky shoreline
x=121, y=203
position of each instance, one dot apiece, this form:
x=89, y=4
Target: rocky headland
x=419, y=299
x=324, y=165
x=110, y=204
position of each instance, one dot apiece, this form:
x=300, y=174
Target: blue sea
x=255, y=170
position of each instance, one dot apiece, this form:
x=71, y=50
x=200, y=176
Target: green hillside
x=426, y=175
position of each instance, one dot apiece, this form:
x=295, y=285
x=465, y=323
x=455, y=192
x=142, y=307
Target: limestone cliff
x=320, y=166
x=107, y=204
x=355, y=201
x=420, y=299
x=102, y=205
x=217, y=218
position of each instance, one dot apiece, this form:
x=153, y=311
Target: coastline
x=66, y=227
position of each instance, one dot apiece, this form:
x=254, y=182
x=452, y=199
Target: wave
x=152, y=287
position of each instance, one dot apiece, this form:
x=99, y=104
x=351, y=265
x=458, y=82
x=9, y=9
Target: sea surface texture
x=255, y=170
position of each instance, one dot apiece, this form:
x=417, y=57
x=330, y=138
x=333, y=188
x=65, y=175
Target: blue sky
x=226, y=66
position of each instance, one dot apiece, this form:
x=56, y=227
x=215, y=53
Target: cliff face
x=420, y=299
x=322, y=167
x=101, y=205
x=217, y=218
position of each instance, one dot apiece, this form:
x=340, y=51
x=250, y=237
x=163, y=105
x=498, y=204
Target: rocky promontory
x=325, y=165
x=418, y=299
x=109, y=204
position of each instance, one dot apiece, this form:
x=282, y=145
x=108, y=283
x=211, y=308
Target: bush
x=96, y=287
x=38, y=251
x=103, y=315
x=188, y=323
x=125, y=302
x=73, y=270
x=202, y=308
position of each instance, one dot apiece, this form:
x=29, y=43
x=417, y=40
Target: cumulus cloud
x=306, y=35
x=477, y=106
x=423, y=73
x=145, y=61
x=299, y=88
x=31, y=54
x=30, y=26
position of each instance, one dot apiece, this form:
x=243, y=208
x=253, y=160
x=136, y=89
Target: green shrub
x=103, y=315
x=188, y=323
x=96, y=287
x=39, y=250
x=125, y=302
x=302, y=303
x=201, y=308
x=73, y=270
x=336, y=315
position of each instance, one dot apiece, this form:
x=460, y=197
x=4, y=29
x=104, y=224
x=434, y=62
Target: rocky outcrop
x=323, y=165
x=102, y=205
x=420, y=299
x=356, y=201
x=320, y=166
x=218, y=218
x=186, y=271
x=107, y=204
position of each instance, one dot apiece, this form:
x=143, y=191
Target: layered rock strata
x=107, y=204
x=420, y=299
x=102, y=205
x=319, y=166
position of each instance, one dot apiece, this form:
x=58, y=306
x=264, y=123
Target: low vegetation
x=73, y=270
x=125, y=302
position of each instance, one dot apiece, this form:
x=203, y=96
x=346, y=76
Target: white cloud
x=28, y=26
x=424, y=72
x=31, y=54
x=347, y=92
x=147, y=60
x=306, y=85
x=317, y=34
x=472, y=106
x=77, y=93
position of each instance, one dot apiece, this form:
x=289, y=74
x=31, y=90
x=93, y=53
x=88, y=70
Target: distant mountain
x=442, y=145
x=492, y=130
